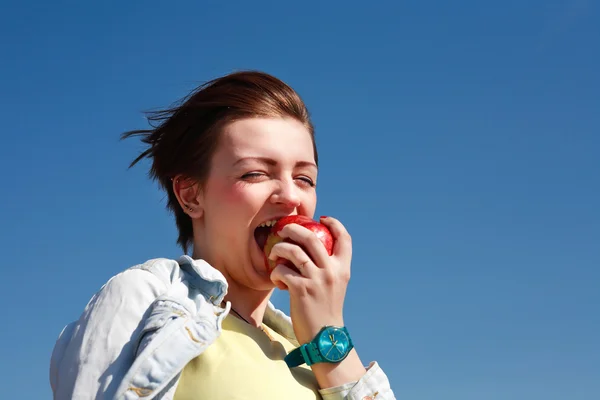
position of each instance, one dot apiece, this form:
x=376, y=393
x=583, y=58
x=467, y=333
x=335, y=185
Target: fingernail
x=323, y=217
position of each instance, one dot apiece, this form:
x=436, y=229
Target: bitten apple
x=316, y=227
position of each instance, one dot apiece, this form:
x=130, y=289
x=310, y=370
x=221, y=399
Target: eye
x=306, y=181
x=253, y=176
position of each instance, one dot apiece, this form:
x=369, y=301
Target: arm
x=93, y=355
x=317, y=294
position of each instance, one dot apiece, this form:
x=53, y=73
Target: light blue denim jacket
x=145, y=324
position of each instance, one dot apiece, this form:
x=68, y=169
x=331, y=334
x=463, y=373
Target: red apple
x=273, y=238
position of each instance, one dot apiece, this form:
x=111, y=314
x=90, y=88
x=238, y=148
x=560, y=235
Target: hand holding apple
x=320, y=230
x=317, y=285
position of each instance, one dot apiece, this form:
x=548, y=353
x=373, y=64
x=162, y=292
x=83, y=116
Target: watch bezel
x=324, y=343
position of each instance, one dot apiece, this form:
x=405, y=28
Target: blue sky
x=459, y=145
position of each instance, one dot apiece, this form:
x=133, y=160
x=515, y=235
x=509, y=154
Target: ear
x=189, y=195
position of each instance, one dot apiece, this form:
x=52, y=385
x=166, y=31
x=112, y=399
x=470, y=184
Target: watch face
x=334, y=344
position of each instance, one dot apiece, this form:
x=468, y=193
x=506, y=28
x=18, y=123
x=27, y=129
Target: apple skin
x=316, y=227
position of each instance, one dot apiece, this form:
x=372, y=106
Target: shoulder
x=133, y=288
x=163, y=269
x=106, y=335
x=185, y=280
x=131, y=293
x=152, y=275
x=197, y=273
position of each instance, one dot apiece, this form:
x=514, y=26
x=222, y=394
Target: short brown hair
x=184, y=137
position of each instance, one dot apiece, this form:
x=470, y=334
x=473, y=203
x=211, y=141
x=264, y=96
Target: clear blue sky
x=459, y=142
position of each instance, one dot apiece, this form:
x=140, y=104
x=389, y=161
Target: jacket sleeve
x=374, y=385
x=93, y=354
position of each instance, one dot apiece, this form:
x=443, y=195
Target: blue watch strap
x=295, y=357
x=307, y=353
x=311, y=353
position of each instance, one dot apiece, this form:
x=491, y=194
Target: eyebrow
x=272, y=162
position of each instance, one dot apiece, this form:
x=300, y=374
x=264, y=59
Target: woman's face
x=263, y=169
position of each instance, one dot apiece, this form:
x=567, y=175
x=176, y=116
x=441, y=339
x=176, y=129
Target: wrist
x=310, y=332
x=348, y=370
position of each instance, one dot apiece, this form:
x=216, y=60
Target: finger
x=308, y=240
x=296, y=255
x=343, y=240
x=284, y=277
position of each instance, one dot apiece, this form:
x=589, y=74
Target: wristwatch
x=331, y=345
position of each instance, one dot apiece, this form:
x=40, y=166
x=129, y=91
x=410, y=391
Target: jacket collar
x=212, y=282
x=204, y=277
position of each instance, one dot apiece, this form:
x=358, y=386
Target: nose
x=286, y=194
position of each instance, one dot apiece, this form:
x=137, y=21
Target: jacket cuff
x=373, y=385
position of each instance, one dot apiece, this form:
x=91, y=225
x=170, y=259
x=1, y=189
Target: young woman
x=235, y=156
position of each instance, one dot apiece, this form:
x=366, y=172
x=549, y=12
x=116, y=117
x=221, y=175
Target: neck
x=250, y=304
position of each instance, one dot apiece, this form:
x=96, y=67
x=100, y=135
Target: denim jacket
x=145, y=324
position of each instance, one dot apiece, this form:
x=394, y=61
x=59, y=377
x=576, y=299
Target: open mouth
x=262, y=231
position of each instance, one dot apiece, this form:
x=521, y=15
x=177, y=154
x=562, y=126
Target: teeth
x=268, y=223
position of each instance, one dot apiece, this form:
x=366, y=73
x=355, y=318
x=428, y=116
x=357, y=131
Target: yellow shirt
x=246, y=362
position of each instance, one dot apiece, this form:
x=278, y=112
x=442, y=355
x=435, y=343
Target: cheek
x=309, y=204
x=239, y=194
x=225, y=210
x=233, y=199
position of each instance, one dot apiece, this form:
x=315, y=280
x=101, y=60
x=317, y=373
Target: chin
x=260, y=283
x=261, y=273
